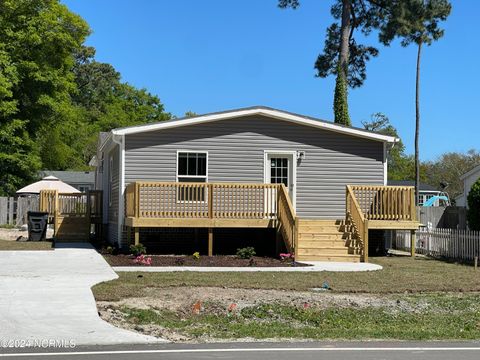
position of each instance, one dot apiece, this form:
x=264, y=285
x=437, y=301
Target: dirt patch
x=217, y=301
x=16, y=233
x=207, y=261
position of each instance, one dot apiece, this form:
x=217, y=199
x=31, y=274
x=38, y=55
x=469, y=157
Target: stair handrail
x=287, y=220
x=357, y=221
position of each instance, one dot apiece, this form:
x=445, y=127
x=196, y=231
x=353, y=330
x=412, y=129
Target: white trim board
x=291, y=153
x=272, y=113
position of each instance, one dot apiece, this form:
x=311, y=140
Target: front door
x=279, y=169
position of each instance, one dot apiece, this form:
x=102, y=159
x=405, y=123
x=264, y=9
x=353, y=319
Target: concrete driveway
x=46, y=296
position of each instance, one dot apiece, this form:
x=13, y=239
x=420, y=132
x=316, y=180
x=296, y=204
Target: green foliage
x=246, y=252
x=448, y=168
x=196, y=255
x=54, y=97
x=473, y=213
x=413, y=21
x=137, y=250
x=340, y=101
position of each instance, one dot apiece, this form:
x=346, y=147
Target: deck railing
x=201, y=200
x=386, y=202
x=172, y=200
x=357, y=223
x=287, y=219
x=81, y=204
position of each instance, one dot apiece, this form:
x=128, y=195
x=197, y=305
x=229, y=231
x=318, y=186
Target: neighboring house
x=215, y=170
x=469, y=178
x=426, y=191
x=80, y=180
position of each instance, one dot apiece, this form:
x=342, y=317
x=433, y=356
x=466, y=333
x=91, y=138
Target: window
x=110, y=180
x=191, y=167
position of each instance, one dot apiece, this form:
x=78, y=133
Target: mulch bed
x=207, y=261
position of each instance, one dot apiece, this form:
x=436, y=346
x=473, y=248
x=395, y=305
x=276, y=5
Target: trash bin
x=37, y=225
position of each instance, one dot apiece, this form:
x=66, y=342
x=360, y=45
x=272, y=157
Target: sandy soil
x=182, y=299
x=14, y=234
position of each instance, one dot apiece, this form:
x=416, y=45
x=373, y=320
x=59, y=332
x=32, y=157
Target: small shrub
x=246, y=252
x=196, y=255
x=143, y=260
x=137, y=250
x=179, y=261
x=473, y=213
x=109, y=250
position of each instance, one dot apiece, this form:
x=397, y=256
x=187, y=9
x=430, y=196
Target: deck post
x=137, y=235
x=210, y=241
x=413, y=241
x=129, y=234
x=365, y=241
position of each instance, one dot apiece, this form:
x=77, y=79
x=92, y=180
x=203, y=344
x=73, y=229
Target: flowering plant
x=144, y=260
x=286, y=256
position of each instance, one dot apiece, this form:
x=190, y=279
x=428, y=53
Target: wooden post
x=10, y=211
x=56, y=213
x=210, y=241
x=413, y=241
x=210, y=204
x=137, y=235
x=129, y=234
x=476, y=262
x=365, y=241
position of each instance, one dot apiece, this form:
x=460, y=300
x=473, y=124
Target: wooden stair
x=324, y=240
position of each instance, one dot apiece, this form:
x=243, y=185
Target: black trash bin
x=37, y=225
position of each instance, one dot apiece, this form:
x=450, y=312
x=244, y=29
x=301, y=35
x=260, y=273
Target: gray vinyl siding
x=236, y=154
x=113, y=203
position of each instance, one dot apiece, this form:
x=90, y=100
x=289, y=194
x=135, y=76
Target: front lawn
x=7, y=245
x=410, y=299
x=399, y=275
x=440, y=318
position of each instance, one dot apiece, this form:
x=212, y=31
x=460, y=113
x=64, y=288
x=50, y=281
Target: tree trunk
x=417, y=124
x=345, y=30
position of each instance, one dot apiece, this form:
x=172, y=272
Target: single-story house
x=426, y=191
x=469, y=178
x=80, y=180
x=257, y=168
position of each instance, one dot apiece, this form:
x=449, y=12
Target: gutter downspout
x=120, y=140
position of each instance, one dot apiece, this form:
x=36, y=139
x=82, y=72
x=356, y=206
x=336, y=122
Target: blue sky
x=214, y=55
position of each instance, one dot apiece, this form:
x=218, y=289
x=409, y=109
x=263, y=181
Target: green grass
x=444, y=317
x=7, y=226
x=399, y=275
x=25, y=245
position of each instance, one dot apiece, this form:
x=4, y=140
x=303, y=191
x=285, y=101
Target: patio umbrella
x=48, y=183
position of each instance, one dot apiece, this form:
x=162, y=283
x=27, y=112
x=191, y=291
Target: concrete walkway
x=316, y=267
x=46, y=296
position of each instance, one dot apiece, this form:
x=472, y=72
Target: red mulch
x=218, y=260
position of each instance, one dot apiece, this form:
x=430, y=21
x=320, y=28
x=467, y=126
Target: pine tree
x=340, y=101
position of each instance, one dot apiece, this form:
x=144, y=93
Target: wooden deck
x=73, y=214
x=231, y=205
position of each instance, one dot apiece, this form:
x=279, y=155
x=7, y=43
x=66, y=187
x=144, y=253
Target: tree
x=341, y=52
x=38, y=40
x=417, y=22
x=189, y=114
x=340, y=101
x=400, y=165
x=448, y=168
x=473, y=212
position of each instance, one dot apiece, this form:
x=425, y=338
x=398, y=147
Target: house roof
x=423, y=187
x=71, y=177
x=468, y=173
x=256, y=110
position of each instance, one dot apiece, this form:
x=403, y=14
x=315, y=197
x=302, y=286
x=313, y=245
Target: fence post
x=11, y=204
x=413, y=242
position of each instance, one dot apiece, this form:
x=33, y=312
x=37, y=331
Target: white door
x=280, y=169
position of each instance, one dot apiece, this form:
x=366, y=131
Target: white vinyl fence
x=442, y=243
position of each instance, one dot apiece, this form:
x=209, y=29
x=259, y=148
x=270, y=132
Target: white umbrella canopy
x=48, y=183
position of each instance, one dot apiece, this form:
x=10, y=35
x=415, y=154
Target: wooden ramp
x=72, y=214
x=325, y=240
